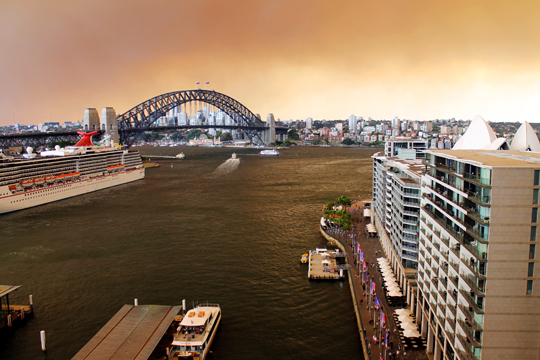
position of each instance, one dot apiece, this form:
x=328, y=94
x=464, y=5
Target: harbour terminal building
x=476, y=291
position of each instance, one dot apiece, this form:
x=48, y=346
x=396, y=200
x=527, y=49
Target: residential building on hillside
x=392, y=146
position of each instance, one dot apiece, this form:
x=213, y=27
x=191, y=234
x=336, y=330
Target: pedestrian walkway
x=370, y=316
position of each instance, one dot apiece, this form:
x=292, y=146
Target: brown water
x=233, y=237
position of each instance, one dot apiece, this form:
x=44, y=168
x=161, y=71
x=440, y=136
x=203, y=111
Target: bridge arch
x=146, y=114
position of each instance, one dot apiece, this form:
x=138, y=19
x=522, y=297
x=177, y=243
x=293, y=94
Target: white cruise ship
x=58, y=174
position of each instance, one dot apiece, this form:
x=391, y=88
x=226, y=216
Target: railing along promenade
x=343, y=247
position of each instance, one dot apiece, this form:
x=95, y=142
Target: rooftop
x=132, y=333
x=493, y=158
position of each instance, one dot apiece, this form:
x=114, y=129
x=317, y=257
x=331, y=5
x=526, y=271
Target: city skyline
x=415, y=60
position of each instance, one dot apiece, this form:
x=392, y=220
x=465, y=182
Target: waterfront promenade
x=372, y=250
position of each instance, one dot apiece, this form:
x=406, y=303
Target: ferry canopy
x=132, y=333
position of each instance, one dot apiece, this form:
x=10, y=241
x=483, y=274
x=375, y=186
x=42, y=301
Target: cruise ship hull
x=10, y=202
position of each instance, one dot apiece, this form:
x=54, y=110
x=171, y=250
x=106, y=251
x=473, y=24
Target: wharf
x=135, y=332
x=12, y=314
x=367, y=324
x=323, y=265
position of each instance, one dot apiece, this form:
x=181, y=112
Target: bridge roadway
x=36, y=139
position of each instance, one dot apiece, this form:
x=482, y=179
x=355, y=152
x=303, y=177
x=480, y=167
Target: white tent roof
x=411, y=334
x=403, y=311
x=367, y=213
x=383, y=260
x=479, y=135
x=405, y=318
x=408, y=326
x=525, y=139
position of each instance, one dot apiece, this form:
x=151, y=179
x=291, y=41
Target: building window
x=530, y=273
x=534, y=215
x=532, y=249
x=533, y=233
x=529, y=287
x=535, y=196
x=536, y=177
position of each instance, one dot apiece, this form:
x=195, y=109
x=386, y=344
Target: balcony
x=475, y=179
x=478, y=290
x=456, y=250
x=477, y=308
x=480, y=255
x=454, y=280
x=475, y=215
x=468, y=354
x=480, y=200
x=471, y=265
x=452, y=309
x=474, y=231
x=442, y=221
x=445, y=255
x=437, y=246
x=445, y=240
x=468, y=330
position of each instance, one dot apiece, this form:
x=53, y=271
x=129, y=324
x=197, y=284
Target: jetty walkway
x=367, y=327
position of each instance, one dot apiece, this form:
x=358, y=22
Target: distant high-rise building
x=396, y=123
x=309, y=123
x=352, y=124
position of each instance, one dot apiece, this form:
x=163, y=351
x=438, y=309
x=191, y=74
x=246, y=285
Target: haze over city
x=412, y=59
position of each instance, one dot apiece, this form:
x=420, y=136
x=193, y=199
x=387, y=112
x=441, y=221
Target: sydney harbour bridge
x=146, y=117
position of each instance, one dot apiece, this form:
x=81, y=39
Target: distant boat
x=180, y=156
x=270, y=152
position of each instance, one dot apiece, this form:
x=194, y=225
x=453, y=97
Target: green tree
x=316, y=142
x=293, y=134
x=226, y=137
x=347, y=141
x=287, y=142
x=193, y=134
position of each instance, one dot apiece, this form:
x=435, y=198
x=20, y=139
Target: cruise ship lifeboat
x=27, y=183
x=39, y=181
x=49, y=179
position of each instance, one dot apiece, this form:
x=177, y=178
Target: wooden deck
x=318, y=271
x=133, y=333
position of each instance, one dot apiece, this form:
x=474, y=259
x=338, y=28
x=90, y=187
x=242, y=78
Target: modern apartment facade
x=396, y=214
x=478, y=289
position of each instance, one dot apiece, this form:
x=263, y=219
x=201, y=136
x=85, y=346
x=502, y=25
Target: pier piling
x=42, y=337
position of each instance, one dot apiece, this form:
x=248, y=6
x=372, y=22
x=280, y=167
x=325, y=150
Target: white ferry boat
x=196, y=332
x=269, y=152
x=58, y=174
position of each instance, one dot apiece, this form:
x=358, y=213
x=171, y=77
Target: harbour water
x=231, y=235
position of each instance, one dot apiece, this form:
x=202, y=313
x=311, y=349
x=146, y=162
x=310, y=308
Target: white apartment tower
x=396, y=215
x=352, y=124
x=309, y=123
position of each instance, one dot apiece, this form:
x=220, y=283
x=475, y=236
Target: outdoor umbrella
x=405, y=318
x=408, y=326
x=411, y=334
x=403, y=311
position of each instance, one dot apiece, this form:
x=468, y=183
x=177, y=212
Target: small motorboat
x=180, y=156
x=304, y=259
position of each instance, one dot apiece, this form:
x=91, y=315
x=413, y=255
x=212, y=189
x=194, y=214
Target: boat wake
x=228, y=166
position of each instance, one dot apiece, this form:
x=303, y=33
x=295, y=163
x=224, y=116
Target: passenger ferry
x=33, y=180
x=269, y=152
x=196, y=332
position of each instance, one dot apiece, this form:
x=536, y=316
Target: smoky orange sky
x=415, y=59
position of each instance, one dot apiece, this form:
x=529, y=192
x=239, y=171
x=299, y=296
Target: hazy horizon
x=418, y=60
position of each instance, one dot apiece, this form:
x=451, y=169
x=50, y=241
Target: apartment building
x=478, y=291
x=396, y=212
